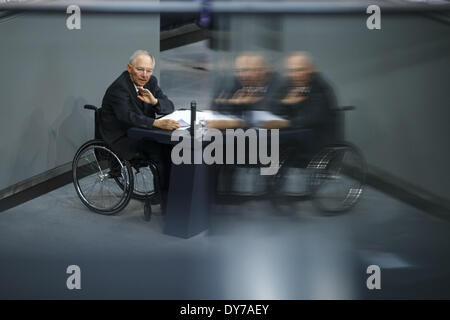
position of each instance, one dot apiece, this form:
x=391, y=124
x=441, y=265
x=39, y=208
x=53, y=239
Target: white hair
x=138, y=53
x=309, y=60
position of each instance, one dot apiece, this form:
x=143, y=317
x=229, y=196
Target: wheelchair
x=332, y=176
x=105, y=183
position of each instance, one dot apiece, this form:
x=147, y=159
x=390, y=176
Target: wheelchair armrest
x=90, y=107
x=346, y=108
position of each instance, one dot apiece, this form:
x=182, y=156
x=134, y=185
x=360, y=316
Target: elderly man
x=307, y=101
x=133, y=100
x=249, y=89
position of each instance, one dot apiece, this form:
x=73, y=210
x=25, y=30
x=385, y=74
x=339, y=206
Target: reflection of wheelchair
x=334, y=180
x=105, y=183
x=332, y=176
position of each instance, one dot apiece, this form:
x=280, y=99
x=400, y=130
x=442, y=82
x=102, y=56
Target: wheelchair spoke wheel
x=143, y=183
x=336, y=179
x=95, y=168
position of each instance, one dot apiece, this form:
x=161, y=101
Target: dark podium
x=190, y=189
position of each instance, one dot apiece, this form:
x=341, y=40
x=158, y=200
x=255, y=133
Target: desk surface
x=190, y=186
x=163, y=136
x=158, y=135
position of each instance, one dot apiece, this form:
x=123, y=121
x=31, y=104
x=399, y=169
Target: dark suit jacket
x=227, y=87
x=122, y=109
x=316, y=112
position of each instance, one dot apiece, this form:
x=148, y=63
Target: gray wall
x=49, y=73
x=398, y=77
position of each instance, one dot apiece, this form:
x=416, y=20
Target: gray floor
x=249, y=252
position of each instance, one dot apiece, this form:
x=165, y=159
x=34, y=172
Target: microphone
x=193, y=116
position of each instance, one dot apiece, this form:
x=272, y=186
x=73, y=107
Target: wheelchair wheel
x=336, y=178
x=94, y=169
x=143, y=182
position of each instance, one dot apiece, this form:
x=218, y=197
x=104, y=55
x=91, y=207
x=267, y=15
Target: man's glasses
x=142, y=70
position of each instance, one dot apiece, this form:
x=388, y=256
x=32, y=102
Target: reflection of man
x=306, y=100
x=253, y=75
x=249, y=90
x=133, y=100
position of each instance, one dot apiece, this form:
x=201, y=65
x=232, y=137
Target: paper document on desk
x=263, y=116
x=183, y=124
x=183, y=117
x=214, y=115
x=178, y=115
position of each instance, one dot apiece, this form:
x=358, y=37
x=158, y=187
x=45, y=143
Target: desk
x=190, y=190
x=191, y=186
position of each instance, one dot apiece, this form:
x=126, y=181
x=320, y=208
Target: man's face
x=141, y=71
x=299, y=70
x=251, y=70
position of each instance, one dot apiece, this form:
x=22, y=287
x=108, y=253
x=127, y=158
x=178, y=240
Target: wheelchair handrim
x=90, y=203
x=320, y=177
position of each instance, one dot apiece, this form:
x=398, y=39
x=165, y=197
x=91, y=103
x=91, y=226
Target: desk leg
x=189, y=200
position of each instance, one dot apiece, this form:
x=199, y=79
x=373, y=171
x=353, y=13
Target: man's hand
x=166, y=124
x=276, y=124
x=225, y=124
x=146, y=96
x=245, y=100
x=243, y=96
x=293, y=97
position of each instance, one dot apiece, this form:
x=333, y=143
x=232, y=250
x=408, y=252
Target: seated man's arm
x=316, y=112
x=120, y=101
x=225, y=124
x=163, y=104
x=276, y=124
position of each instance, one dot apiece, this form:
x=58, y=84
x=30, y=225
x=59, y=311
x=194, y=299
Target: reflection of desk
x=191, y=186
x=189, y=190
